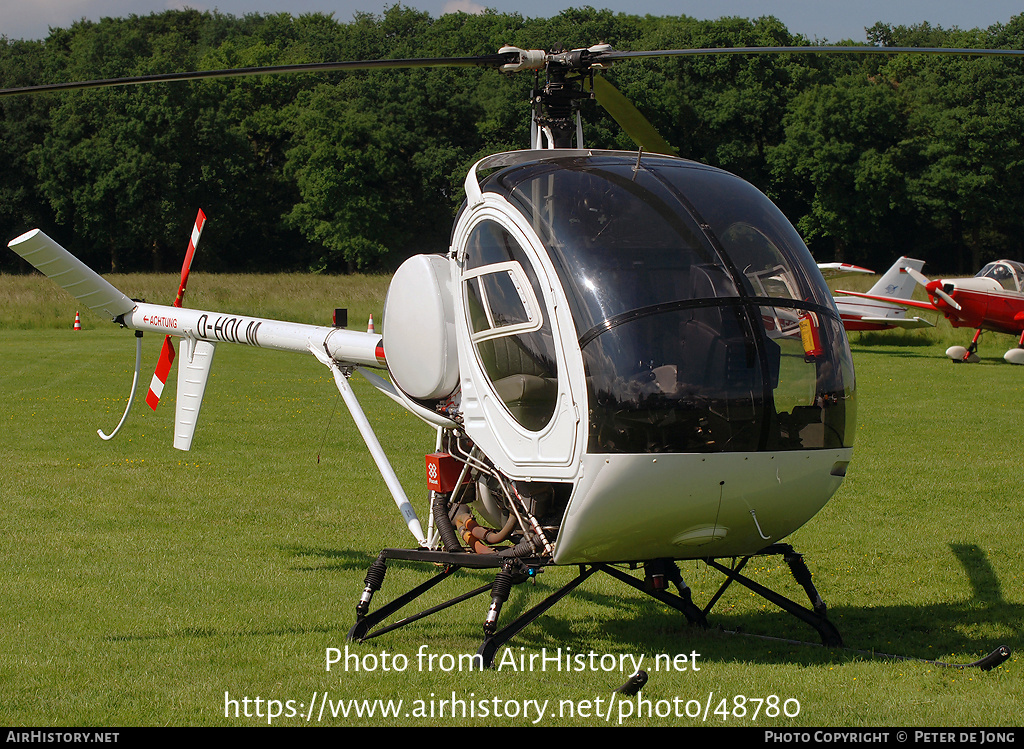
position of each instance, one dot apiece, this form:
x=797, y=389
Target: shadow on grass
x=914, y=633
x=639, y=624
x=627, y=621
x=890, y=338
x=337, y=559
x=936, y=355
x=899, y=353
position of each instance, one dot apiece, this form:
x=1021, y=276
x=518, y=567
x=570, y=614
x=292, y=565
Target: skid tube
x=511, y=571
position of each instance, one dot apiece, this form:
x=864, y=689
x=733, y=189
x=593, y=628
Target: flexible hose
x=522, y=549
x=449, y=538
x=496, y=537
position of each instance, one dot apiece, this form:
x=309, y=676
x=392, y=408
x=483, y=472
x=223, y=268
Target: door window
x=510, y=332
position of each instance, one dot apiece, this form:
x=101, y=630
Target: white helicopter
x=628, y=358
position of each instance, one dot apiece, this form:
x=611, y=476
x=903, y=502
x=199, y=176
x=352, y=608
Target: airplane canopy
x=1009, y=274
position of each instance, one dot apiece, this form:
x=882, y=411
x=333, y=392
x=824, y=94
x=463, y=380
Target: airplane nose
x=942, y=291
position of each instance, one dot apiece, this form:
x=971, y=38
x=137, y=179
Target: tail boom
x=343, y=346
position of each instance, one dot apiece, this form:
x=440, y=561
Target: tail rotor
x=163, y=366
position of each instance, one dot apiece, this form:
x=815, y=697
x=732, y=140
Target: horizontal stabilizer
x=193, y=372
x=831, y=270
x=71, y=274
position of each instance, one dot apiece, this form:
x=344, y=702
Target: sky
x=822, y=20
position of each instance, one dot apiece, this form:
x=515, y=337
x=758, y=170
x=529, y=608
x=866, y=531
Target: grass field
x=146, y=586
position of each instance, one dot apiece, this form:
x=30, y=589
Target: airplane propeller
x=932, y=287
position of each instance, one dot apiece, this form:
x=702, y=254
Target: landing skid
x=512, y=571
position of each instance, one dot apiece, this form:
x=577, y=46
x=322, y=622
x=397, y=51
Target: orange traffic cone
x=78, y=322
x=369, y=326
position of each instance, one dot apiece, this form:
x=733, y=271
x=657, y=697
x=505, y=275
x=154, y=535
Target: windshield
x=703, y=321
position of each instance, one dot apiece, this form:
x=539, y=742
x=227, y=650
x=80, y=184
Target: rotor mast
x=555, y=118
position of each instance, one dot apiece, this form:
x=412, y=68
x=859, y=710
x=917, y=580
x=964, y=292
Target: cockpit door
x=520, y=359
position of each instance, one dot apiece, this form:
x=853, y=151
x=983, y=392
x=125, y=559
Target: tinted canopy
x=704, y=323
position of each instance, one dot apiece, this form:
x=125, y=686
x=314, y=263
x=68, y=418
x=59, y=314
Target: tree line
x=871, y=156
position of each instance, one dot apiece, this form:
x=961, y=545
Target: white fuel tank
x=419, y=329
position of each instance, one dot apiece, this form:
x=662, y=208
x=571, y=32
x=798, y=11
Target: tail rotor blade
x=163, y=366
x=163, y=369
x=193, y=240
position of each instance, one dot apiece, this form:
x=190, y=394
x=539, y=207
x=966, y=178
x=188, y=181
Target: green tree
x=378, y=155
x=967, y=119
x=23, y=120
x=844, y=156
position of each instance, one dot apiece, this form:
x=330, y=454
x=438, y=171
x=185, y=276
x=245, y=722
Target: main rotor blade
x=823, y=50
x=629, y=118
x=317, y=67
x=495, y=60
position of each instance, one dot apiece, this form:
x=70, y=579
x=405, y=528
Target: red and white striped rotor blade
x=197, y=230
x=163, y=366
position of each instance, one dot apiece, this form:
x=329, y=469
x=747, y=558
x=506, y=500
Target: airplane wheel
x=959, y=355
x=956, y=353
x=1014, y=356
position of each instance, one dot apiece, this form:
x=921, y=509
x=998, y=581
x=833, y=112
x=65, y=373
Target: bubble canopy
x=702, y=319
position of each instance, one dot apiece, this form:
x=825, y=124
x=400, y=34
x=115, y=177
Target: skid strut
x=816, y=616
x=510, y=571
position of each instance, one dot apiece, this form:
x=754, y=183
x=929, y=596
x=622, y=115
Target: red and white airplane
x=991, y=300
x=860, y=312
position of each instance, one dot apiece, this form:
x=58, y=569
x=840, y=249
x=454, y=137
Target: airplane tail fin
x=896, y=282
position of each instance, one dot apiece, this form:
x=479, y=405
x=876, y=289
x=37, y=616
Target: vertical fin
x=896, y=282
x=193, y=372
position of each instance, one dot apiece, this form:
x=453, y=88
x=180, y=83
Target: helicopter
x=629, y=359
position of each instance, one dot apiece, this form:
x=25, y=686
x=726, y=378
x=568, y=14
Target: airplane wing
x=894, y=300
x=900, y=322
